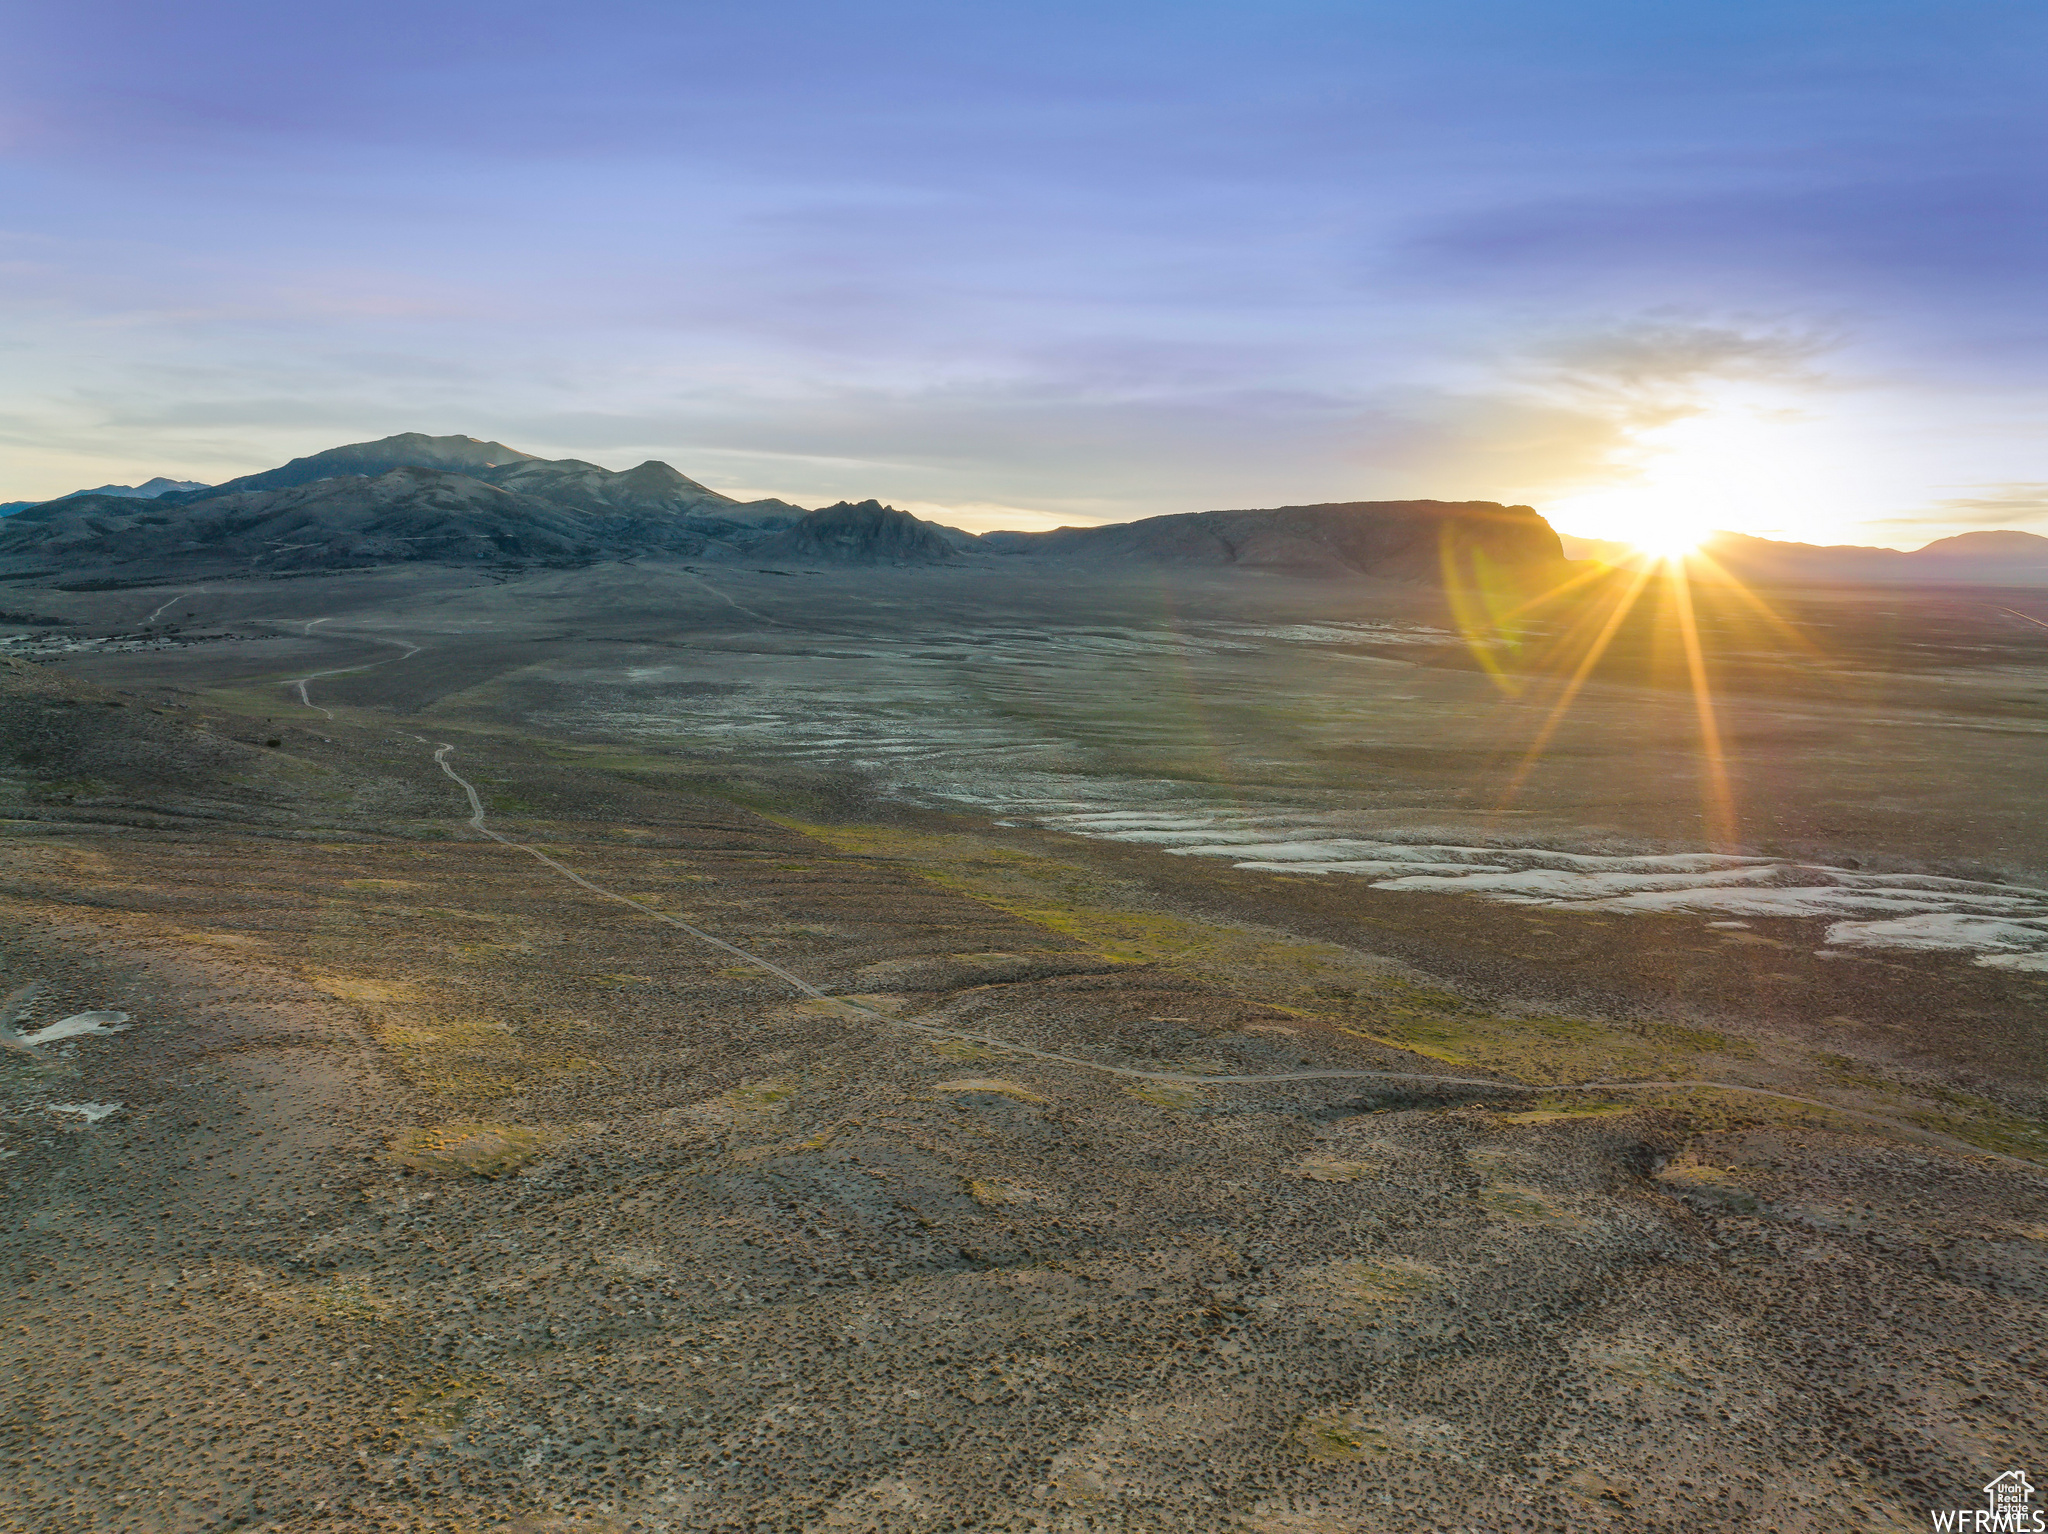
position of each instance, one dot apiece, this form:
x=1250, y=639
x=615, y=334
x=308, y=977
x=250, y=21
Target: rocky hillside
x=404, y=515
x=1399, y=540
x=860, y=533
x=461, y=500
x=407, y=450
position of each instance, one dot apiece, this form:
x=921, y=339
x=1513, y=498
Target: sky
x=1776, y=267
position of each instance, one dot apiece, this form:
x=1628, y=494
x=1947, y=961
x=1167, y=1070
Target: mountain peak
x=860, y=533
x=657, y=478
x=406, y=450
x=2004, y=543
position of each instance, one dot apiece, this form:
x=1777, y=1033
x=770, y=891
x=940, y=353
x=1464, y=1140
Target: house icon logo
x=2009, y=1510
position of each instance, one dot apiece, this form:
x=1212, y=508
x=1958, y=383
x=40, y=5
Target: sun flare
x=1748, y=459
x=1669, y=539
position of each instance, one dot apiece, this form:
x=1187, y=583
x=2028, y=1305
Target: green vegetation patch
x=1345, y=1434
x=1551, y=1107
x=994, y=1084
x=1963, y=1116
x=448, y=1050
x=826, y=1006
x=1704, y=1041
x=1372, y=1288
x=748, y=1154
x=771, y=1095
x=1318, y=982
x=995, y=1192
x=1645, y=1363
x=1526, y=1206
x=471, y=1150
x=1708, y=1111
x=338, y=1301
x=440, y=1409
x=1716, y=1185
x=1989, y=1127
x=1320, y=1166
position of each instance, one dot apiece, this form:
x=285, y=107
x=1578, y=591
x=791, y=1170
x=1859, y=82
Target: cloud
x=2006, y=505
x=1580, y=408
x=1659, y=354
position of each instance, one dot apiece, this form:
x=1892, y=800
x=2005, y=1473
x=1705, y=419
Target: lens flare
x=1687, y=606
x=1669, y=538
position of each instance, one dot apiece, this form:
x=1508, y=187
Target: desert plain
x=997, y=1048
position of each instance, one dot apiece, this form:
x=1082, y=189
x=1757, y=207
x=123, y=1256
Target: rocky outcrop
x=1399, y=540
x=860, y=533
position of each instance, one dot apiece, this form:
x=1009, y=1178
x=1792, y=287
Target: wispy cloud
x=1660, y=357
x=2008, y=505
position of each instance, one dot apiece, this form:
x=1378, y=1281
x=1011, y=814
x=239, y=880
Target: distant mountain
x=2005, y=557
x=149, y=489
x=2005, y=544
x=862, y=533
x=1399, y=540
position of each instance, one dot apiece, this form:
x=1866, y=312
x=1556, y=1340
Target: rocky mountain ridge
x=414, y=498
x=407, y=450
x=1400, y=540
x=865, y=532
x=148, y=490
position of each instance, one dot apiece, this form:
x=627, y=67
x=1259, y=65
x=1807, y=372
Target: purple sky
x=1775, y=266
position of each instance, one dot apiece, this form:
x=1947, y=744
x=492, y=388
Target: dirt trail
x=1010, y=1047
x=299, y=683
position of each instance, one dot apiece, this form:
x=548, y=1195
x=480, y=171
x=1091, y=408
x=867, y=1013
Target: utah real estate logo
x=2010, y=1508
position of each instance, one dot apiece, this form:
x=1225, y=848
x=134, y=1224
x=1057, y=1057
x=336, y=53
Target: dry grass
x=472, y=1150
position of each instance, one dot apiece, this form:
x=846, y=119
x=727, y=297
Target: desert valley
x=555, y=999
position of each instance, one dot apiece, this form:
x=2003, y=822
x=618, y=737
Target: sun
x=1669, y=538
x=1747, y=460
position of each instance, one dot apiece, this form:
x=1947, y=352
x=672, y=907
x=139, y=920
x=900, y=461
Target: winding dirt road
x=1025, y=1051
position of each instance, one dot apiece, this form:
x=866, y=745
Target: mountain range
x=2002, y=557
x=456, y=499
x=414, y=497
x=148, y=490
x=1398, y=540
